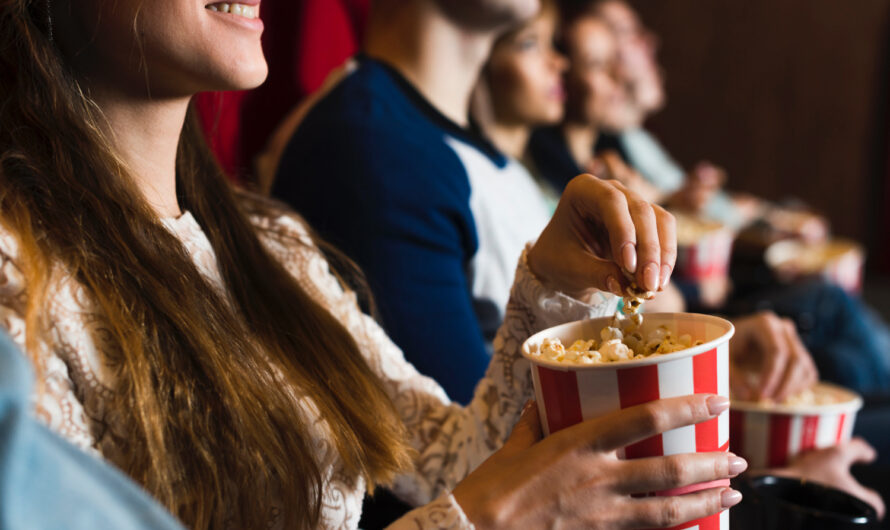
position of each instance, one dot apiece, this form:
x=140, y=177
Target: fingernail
x=629, y=257
x=650, y=277
x=665, y=275
x=717, y=404
x=613, y=285
x=730, y=497
x=737, y=466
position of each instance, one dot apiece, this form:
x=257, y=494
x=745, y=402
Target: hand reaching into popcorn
x=768, y=360
x=600, y=231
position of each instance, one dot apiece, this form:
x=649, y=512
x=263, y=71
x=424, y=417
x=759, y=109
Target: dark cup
x=781, y=503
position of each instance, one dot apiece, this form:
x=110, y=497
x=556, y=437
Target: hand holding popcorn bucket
x=568, y=393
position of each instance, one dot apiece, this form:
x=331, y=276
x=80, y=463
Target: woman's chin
x=244, y=77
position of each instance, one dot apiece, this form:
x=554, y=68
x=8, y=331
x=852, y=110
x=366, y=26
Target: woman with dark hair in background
x=520, y=88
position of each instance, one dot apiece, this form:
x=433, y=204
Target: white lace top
x=450, y=440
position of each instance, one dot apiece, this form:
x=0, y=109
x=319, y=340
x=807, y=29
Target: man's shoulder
x=365, y=130
x=368, y=98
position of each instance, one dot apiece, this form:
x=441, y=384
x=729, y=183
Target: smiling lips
x=243, y=10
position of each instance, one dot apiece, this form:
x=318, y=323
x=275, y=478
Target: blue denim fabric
x=848, y=341
x=46, y=483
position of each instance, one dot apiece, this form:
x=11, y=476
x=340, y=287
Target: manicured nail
x=650, y=277
x=629, y=257
x=730, y=498
x=717, y=404
x=613, y=285
x=665, y=275
x=737, y=465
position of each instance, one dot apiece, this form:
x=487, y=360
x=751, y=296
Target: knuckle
x=675, y=471
x=698, y=407
x=667, y=224
x=611, y=193
x=647, y=515
x=579, y=182
x=671, y=512
x=665, y=217
x=641, y=206
x=767, y=316
x=620, y=186
x=651, y=248
x=655, y=419
x=586, y=179
x=721, y=465
x=774, y=322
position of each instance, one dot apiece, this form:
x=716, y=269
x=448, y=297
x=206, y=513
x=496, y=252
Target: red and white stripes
x=568, y=397
x=772, y=440
x=568, y=394
x=707, y=258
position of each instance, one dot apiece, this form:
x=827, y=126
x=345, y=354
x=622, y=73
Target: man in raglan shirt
x=388, y=168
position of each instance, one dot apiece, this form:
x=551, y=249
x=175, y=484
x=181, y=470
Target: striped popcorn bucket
x=769, y=435
x=707, y=257
x=568, y=394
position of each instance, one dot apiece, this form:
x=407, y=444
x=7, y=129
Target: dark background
x=790, y=96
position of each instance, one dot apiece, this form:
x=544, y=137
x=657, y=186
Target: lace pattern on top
x=449, y=440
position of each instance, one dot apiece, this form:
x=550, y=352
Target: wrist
x=476, y=510
x=532, y=262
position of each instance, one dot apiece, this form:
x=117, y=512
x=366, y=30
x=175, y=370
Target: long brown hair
x=208, y=380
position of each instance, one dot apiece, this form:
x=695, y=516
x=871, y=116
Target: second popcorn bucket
x=771, y=435
x=568, y=393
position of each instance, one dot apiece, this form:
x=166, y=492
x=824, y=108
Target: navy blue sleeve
x=397, y=202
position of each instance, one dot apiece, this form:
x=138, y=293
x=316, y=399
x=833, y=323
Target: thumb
x=874, y=498
x=527, y=430
x=859, y=452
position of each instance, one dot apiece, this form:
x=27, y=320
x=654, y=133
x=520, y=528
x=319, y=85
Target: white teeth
x=242, y=10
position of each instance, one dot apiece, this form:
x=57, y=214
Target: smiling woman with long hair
x=194, y=335
x=204, y=375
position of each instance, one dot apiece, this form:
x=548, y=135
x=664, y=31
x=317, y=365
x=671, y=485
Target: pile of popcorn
x=818, y=394
x=620, y=341
x=813, y=396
